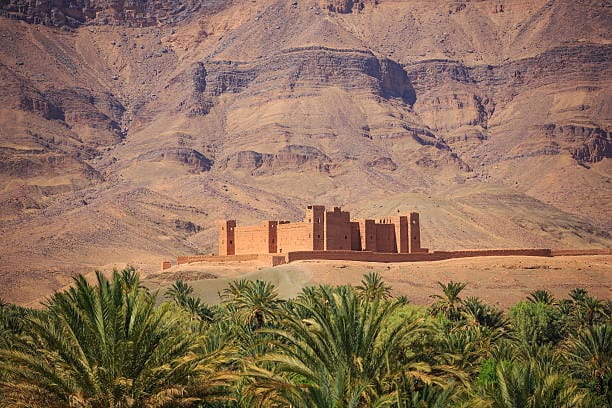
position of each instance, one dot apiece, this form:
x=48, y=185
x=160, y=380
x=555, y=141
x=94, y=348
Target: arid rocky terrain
x=127, y=128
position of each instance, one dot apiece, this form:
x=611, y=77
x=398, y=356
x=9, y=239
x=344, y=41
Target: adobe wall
x=579, y=252
x=214, y=258
x=271, y=258
x=337, y=230
x=296, y=236
x=495, y=252
x=367, y=256
x=385, y=237
x=362, y=256
x=260, y=239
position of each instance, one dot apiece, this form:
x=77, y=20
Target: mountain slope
x=129, y=128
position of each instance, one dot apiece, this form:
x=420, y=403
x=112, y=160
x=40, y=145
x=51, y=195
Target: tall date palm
x=449, y=303
x=107, y=346
x=588, y=355
x=336, y=352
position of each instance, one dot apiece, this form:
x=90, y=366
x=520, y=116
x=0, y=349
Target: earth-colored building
x=323, y=230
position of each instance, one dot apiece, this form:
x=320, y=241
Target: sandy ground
x=497, y=280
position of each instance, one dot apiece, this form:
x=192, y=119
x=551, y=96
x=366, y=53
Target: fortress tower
x=414, y=233
x=315, y=215
x=227, y=241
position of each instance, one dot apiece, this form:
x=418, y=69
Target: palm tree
x=477, y=313
x=537, y=323
x=108, y=346
x=338, y=351
x=591, y=310
x=449, y=304
x=234, y=289
x=466, y=346
x=198, y=310
x=373, y=287
x=179, y=291
x=588, y=355
x=402, y=300
x=256, y=302
x=12, y=318
x=541, y=296
x=432, y=397
x=526, y=385
x=578, y=294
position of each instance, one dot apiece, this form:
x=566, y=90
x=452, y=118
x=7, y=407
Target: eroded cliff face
x=298, y=71
x=128, y=127
x=131, y=13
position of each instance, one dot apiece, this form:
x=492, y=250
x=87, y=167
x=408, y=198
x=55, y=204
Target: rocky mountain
x=129, y=127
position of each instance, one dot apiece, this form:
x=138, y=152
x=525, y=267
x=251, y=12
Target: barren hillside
x=128, y=128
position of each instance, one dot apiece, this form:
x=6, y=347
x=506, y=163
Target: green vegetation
x=108, y=345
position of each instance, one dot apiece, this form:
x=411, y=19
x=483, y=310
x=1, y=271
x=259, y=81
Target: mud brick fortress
x=332, y=235
x=323, y=230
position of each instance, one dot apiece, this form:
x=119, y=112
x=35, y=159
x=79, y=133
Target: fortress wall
x=362, y=256
x=337, y=230
x=215, y=258
x=272, y=259
x=578, y=252
x=368, y=256
x=385, y=238
x=260, y=239
x=296, y=236
x=496, y=252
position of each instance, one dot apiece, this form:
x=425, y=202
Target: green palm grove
x=113, y=343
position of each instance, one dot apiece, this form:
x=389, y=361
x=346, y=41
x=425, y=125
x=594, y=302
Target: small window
x=318, y=220
x=309, y=236
x=272, y=240
x=310, y=220
x=231, y=242
x=414, y=238
x=413, y=222
x=222, y=228
x=345, y=237
x=318, y=236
